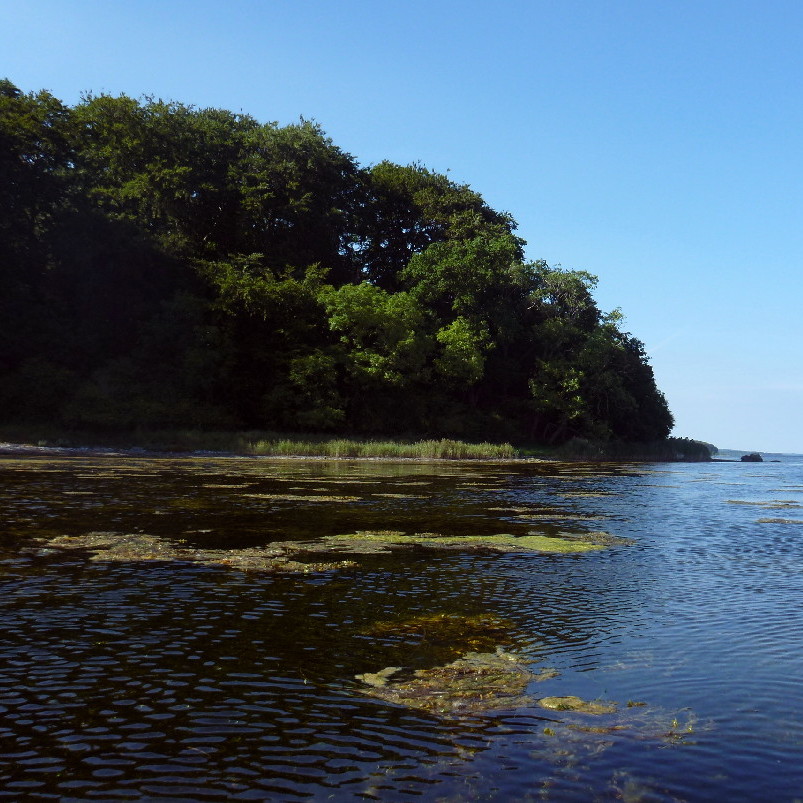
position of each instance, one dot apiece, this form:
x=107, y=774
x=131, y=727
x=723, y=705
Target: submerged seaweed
x=375, y=541
x=451, y=634
x=577, y=704
x=772, y=504
x=316, y=554
x=129, y=547
x=473, y=684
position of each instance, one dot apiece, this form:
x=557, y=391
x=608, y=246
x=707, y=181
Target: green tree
x=463, y=349
x=383, y=349
x=409, y=208
x=166, y=265
x=298, y=197
x=464, y=278
x=167, y=167
x=35, y=162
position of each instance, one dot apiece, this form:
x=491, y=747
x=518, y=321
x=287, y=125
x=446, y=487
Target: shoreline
x=25, y=449
x=315, y=447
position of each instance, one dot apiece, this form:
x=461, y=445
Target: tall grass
x=443, y=449
x=260, y=443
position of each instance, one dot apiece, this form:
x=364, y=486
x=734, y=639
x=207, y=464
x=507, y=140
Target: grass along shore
x=273, y=444
x=260, y=443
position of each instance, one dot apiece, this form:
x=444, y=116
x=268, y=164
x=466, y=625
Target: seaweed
x=473, y=684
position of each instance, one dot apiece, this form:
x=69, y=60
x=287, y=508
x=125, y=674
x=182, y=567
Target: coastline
x=30, y=450
x=22, y=440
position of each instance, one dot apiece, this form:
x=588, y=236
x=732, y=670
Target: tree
x=464, y=278
x=298, y=194
x=166, y=167
x=35, y=161
x=408, y=208
x=164, y=264
x=383, y=350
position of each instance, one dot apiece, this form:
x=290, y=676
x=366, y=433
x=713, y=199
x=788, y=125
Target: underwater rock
x=475, y=683
x=576, y=704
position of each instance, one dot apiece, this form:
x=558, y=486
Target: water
x=165, y=680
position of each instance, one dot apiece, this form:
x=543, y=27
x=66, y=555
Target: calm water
x=172, y=681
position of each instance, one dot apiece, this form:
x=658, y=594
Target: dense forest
x=164, y=265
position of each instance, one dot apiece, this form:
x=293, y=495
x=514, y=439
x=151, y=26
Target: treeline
x=168, y=266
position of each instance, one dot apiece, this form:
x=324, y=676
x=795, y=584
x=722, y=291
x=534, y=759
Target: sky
x=653, y=143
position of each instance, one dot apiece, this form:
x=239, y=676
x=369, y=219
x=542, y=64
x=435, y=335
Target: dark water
x=171, y=681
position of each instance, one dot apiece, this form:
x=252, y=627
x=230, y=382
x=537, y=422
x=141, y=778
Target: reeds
x=262, y=443
x=443, y=449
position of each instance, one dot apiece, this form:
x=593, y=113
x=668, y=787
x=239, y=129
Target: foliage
x=169, y=266
x=666, y=450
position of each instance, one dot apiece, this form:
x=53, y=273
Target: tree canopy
x=165, y=265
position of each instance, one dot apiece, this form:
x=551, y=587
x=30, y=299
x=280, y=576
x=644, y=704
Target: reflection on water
x=172, y=680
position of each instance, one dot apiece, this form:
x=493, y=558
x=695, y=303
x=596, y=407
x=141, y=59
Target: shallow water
x=180, y=681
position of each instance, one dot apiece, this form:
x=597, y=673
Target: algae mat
x=473, y=684
x=314, y=555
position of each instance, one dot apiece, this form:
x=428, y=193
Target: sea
x=156, y=678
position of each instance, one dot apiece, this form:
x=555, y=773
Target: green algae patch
x=380, y=678
x=597, y=537
x=503, y=542
x=473, y=684
x=324, y=554
x=541, y=543
x=545, y=514
x=133, y=547
x=303, y=498
x=559, y=517
x=577, y=705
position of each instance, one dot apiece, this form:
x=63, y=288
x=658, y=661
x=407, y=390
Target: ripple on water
x=192, y=682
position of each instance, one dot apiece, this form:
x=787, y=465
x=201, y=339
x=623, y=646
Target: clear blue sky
x=654, y=143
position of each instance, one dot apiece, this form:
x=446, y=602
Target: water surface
x=182, y=681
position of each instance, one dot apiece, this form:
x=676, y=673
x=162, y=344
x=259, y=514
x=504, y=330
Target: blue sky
x=655, y=144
